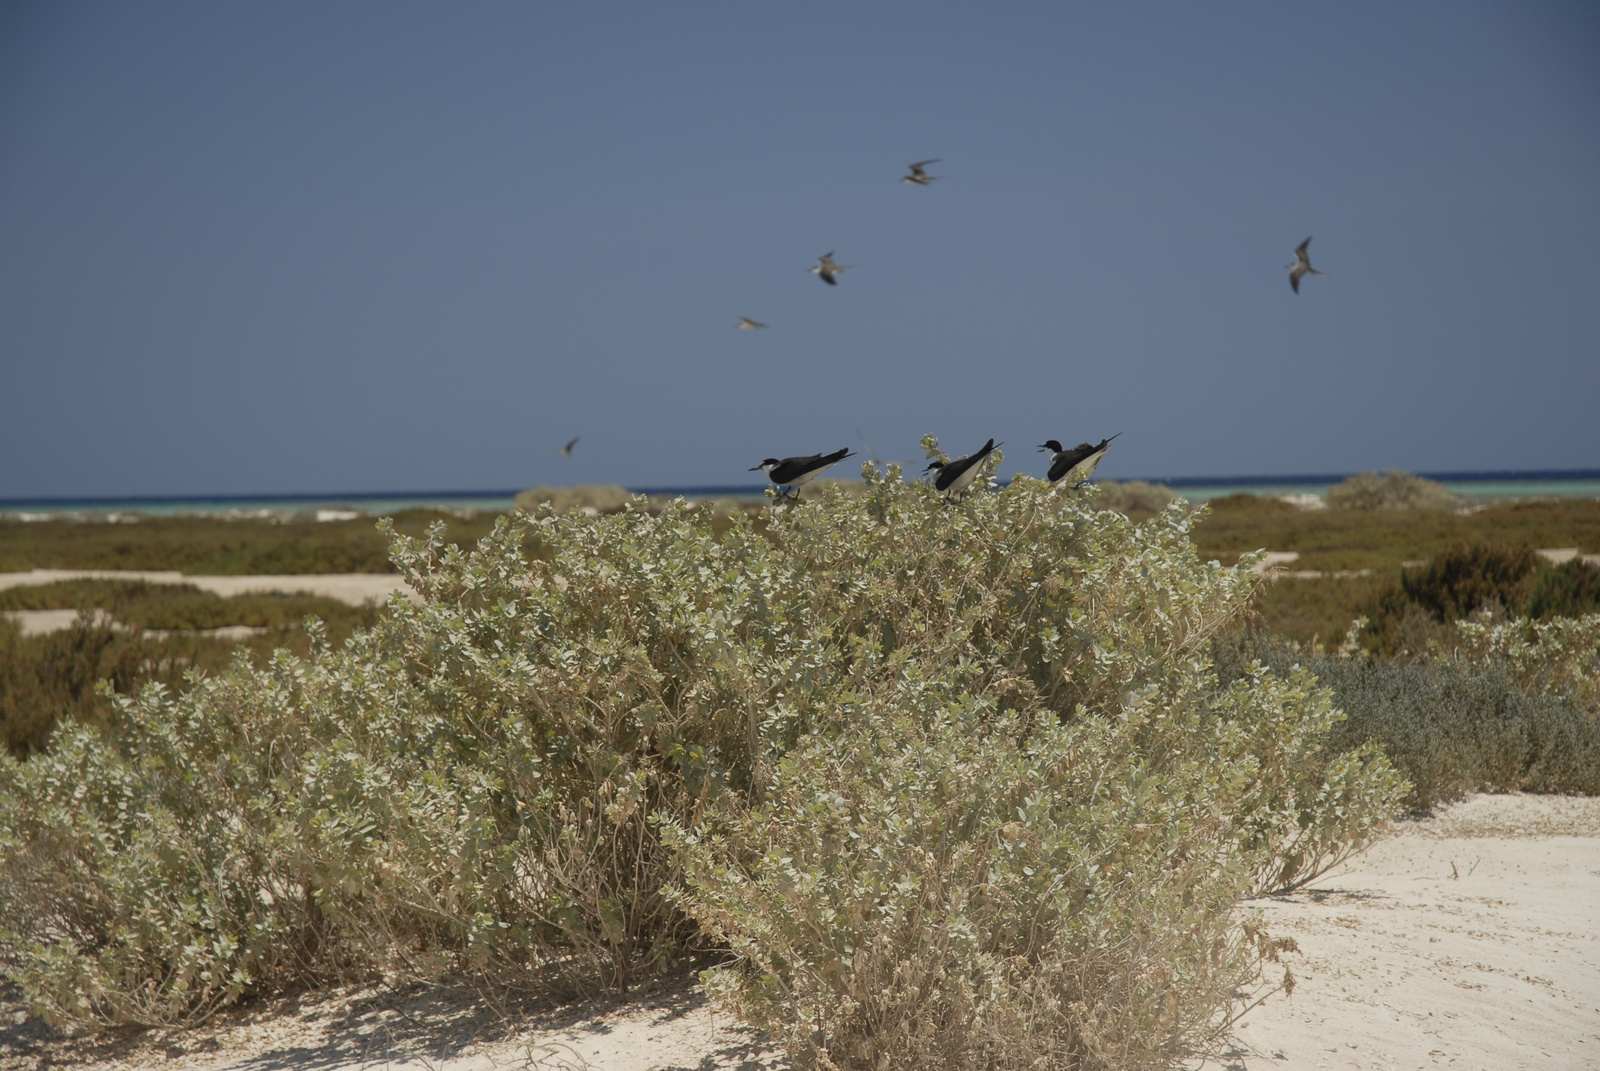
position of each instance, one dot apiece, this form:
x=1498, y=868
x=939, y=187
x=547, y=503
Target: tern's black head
x=935, y=465
x=1051, y=445
x=764, y=464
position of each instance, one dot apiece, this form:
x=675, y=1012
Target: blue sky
x=308, y=247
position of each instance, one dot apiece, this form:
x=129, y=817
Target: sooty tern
x=566, y=451
x=956, y=476
x=1301, y=265
x=826, y=269
x=747, y=324
x=1077, y=464
x=919, y=177
x=795, y=471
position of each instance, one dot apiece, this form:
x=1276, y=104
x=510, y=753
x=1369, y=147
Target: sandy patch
x=353, y=588
x=421, y=1029
x=1467, y=940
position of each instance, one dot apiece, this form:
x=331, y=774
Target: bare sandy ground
x=353, y=588
x=1468, y=940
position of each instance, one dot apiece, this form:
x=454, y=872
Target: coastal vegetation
x=913, y=763
x=130, y=634
x=1394, y=489
x=217, y=546
x=937, y=784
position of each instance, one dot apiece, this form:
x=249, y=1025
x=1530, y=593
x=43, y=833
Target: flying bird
x=566, y=451
x=919, y=177
x=1077, y=464
x=1301, y=265
x=826, y=269
x=956, y=476
x=747, y=324
x=796, y=471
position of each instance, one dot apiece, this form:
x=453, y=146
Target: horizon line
x=1469, y=476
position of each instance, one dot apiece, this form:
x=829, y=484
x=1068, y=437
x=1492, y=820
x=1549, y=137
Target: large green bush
x=999, y=710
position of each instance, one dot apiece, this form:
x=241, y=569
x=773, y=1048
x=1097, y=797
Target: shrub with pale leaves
x=977, y=744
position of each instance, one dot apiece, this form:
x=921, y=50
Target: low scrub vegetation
x=48, y=679
x=1384, y=539
x=1415, y=613
x=587, y=497
x=956, y=784
x=1393, y=489
x=1509, y=706
x=1137, y=498
x=215, y=545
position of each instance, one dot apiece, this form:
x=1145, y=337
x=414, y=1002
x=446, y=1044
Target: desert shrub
x=1571, y=589
x=479, y=783
x=48, y=679
x=1414, y=614
x=1466, y=577
x=587, y=497
x=1559, y=657
x=1134, y=496
x=52, y=678
x=1408, y=615
x=950, y=885
x=1501, y=713
x=1393, y=489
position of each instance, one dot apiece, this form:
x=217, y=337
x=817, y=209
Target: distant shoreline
x=1533, y=483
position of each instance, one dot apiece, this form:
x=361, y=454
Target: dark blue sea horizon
x=1533, y=483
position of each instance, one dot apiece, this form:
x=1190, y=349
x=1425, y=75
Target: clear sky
x=309, y=247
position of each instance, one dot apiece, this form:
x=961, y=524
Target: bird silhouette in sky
x=826, y=269
x=1301, y=265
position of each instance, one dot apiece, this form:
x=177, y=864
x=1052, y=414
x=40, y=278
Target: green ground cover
x=217, y=546
x=47, y=680
x=1383, y=539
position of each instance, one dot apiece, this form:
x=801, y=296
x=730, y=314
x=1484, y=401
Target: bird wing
x=920, y=164
x=953, y=471
x=1067, y=460
x=949, y=471
x=567, y=449
x=1294, y=277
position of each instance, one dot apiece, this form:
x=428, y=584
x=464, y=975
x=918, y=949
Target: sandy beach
x=1466, y=940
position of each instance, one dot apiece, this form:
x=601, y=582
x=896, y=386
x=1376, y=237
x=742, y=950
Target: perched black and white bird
x=1301, y=266
x=919, y=177
x=566, y=451
x=956, y=476
x=796, y=471
x=747, y=324
x=1077, y=464
x=826, y=269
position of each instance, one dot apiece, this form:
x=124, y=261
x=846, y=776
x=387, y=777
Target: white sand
x=353, y=588
x=1468, y=940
